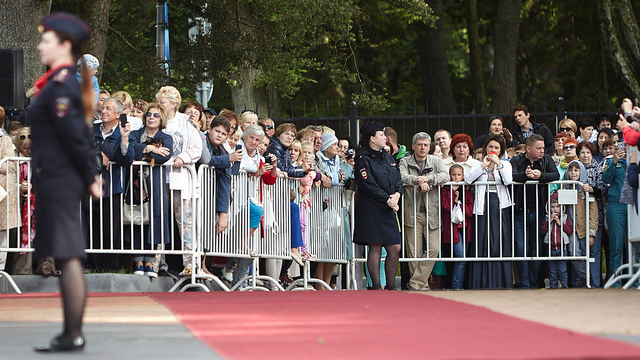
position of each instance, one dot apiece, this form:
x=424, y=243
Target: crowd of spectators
x=458, y=198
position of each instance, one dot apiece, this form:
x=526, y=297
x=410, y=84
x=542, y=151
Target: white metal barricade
x=325, y=222
x=11, y=169
x=234, y=242
x=533, y=250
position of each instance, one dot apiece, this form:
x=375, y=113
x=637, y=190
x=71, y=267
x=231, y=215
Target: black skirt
x=491, y=274
x=375, y=225
x=58, y=229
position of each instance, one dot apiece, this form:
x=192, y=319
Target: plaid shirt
x=526, y=133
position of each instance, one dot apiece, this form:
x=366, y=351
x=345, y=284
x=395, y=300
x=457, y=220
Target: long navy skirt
x=491, y=274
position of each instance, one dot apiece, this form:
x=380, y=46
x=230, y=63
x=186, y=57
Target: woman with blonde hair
x=187, y=149
x=569, y=126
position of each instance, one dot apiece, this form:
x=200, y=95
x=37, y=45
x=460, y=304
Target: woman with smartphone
x=493, y=218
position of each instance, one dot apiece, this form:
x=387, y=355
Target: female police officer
x=379, y=190
x=64, y=163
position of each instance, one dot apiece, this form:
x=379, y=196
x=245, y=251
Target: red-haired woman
x=461, y=152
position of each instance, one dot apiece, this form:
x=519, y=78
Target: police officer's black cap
x=370, y=127
x=65, y=22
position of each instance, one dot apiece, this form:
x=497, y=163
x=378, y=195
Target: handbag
x=134, y=212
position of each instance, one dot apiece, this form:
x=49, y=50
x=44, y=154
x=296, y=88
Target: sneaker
x=186, y=272
x=227, y=274
x=139, y=270
x=286, y=279
x=148, y=270
x=307, y=255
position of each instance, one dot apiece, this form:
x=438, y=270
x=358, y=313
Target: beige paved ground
x=592, y=311
x=133, y=309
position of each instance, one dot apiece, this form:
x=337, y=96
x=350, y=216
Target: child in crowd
x=584, y=227
x=457, y=211
x=557, y=228
x=519, y=149
x=307, y=157
x=233, y=139
x=295, y=150
x=264, y=145
x=477, y=154
x=436, y=151
x=509, y=153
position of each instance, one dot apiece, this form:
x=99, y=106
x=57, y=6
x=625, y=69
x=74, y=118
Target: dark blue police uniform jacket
x=377, y=176
x=64, y=165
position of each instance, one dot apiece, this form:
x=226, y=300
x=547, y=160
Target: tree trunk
x=621, y=36
x=97, y=15
x=436, y=83
x=19, y=20
x=506, y=28
x=477, y=81
x=246, y=96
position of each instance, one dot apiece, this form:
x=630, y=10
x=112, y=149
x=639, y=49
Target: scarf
x=44, y=79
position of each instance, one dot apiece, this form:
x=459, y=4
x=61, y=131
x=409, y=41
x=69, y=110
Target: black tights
x=74, y=294
x=390, y=264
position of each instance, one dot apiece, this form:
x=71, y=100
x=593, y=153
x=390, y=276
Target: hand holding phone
x=123, y=119
x=235, y=170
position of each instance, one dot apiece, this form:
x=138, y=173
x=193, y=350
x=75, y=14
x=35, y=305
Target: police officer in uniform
x=64, y=164
x=379, y=190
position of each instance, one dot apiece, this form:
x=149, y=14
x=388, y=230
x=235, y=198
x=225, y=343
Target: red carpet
x=372, y=325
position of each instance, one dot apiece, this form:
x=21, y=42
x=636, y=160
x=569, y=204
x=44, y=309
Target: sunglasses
x=24, y=137
x=269, y=127
x=565, y=129
x=155, y=115
x=569, y=147
x=247, y=111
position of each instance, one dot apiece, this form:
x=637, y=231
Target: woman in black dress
x=379, y=190
x=64, y=164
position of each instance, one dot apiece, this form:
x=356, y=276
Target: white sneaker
x=227, y=274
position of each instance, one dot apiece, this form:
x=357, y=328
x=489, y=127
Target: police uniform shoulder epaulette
x=62, y=76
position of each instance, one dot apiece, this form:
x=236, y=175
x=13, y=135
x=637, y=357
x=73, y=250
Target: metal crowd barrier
x=234, y=242
x=325, y=222
x=541, y=252
x=103, y=220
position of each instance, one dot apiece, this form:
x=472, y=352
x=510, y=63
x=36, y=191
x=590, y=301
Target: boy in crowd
x=557, y=228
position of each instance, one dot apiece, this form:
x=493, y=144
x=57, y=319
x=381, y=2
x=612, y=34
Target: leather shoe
x=61, y=344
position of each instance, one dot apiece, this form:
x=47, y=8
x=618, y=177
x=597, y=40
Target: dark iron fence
x=410, y=118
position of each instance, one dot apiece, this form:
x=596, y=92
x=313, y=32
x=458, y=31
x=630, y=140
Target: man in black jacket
x=532, y=165
x=526, y=128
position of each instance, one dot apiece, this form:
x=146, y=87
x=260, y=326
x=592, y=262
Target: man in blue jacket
x=105, y=214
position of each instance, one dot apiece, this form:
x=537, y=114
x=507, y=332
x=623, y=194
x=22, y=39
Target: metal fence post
x=561, y=113
x=353, y=122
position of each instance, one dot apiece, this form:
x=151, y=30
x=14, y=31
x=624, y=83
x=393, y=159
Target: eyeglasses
x=155, y=115
x=24, y=137
x=192, y=112
x=565, y=129
x=569, y=147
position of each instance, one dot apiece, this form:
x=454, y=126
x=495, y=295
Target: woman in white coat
x=492, y=237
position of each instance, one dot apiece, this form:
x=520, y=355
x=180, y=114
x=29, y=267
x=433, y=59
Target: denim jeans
x=595, y=252
x=527, y=270
x=577, y=247
x=458, y=267
x=558, y=269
